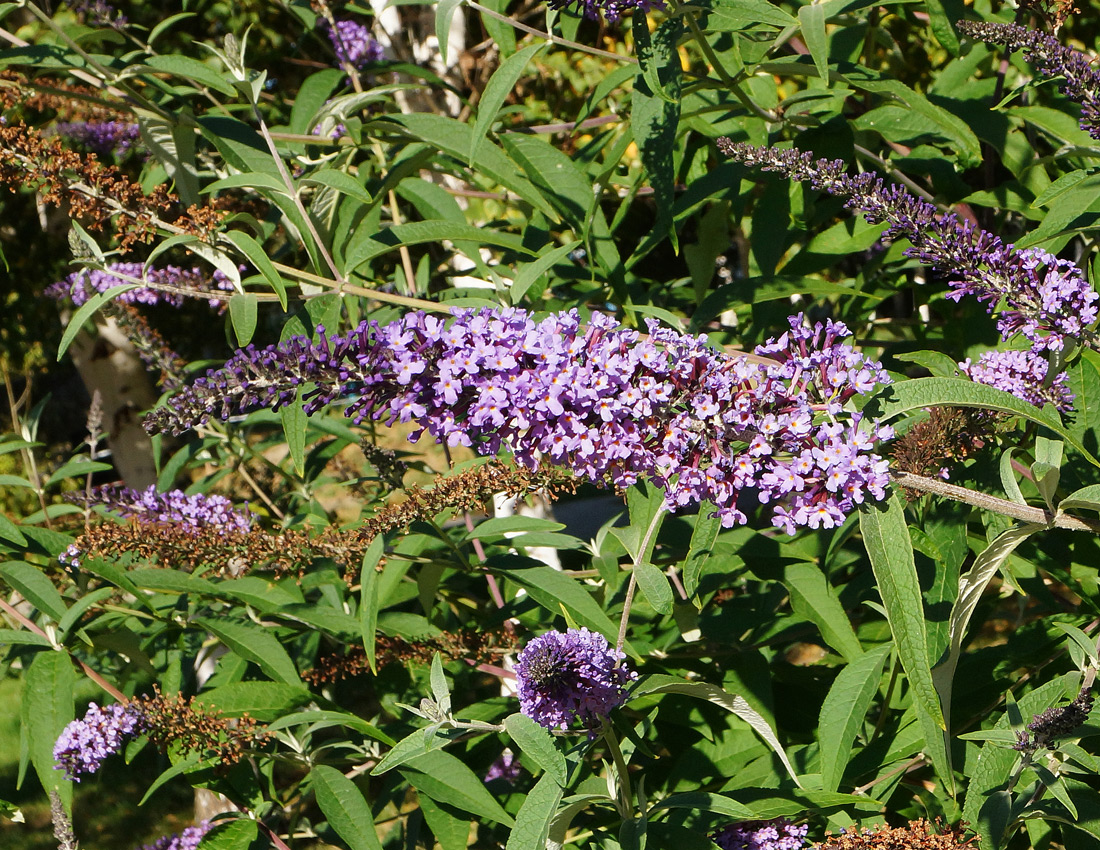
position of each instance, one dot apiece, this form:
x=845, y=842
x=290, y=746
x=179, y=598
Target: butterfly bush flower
x=102, y=137
x=198, y=513
x=613, y=10
x=84, y=744
x=82, y=285
x=1045, y=299
x=1022, y=373
x=778, y=834
x=600, y=400
x=1080, y=77
x=506, y=768
x=354, y=44
x=571, y=677
x=187, y=840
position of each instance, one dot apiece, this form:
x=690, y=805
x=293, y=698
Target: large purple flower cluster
x=613, y=10
x=762, y=835
x=114, y=138
x=1022, y=373
x=187, y=840
x=1080, y=77
x=571, y=677
x=354, y=44
x=604, y=401
x=82, y=285
x=1046, y=299
x=84, y=744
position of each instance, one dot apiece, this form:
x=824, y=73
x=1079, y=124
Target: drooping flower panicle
x=1046, y=299
x=353, y=44
x=778, y=834
x=114, y=138
x=569, y=678
x=603, y=401
x=1080, y=76
x=194, y=282
x=102, y=732
x=1022, y=373
x=190, y=513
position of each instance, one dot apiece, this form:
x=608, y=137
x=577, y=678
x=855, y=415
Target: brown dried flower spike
x=918, y=835
x=176, y=720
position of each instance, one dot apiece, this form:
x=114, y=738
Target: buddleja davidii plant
x=1013, y=282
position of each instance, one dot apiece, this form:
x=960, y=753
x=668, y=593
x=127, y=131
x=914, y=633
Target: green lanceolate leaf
x=534, y=817
x=938, y=392
x=661, y=684
x=537, y=743
x=813, y=598
x=255, y=644
x=444, y=778
x=47, y=706
x=498, y=88
x=844, y=711
x=886, y=537
x=343, y=806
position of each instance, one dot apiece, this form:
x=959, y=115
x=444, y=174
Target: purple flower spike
x=102, y=732
x=102, y=137
x=603, y=401
x=1022, y=373
x=198, y=512
x=1046, y=299
x=573, y=677
x=1080, y=77
x=82, y=285
x=778, y=834
x=187, y=840
x=354, y=44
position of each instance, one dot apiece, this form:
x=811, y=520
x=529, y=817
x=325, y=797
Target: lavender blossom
x=197, y=512
x=98, y=12
x=506, y=768
x=562, y=679
x=1022, y=373
x=354, y=44
x=778, y=834
x=187, y=840
x=613, y=10
x=762, y=835
x=82, y=285
x=1045, y=299
x=1080, y=78
x=84, y=744
x=102, y=137
x=600, y=400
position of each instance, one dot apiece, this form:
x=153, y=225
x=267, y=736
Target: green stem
x=650, y=532
x=626, y=791
x=712, y=58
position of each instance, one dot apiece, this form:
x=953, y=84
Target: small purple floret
x=84, y=744
x=187, y=840
x=569, y=678
x=199, y=511
x=506, y=768
x=778, y=834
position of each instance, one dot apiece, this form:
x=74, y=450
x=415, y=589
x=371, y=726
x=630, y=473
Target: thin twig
x=564, y=42
x=1026, y=513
